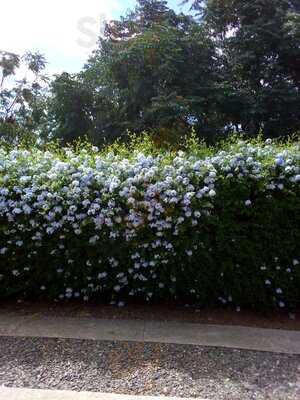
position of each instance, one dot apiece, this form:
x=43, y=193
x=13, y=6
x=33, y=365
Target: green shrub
x=199, y=225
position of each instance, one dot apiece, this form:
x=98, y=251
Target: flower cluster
x=216, y=228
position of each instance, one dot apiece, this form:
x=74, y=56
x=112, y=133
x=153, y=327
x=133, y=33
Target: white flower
x=248, y=203
x=94, y=239
x=280, y=161
x=27, y=210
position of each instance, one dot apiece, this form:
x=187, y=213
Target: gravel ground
x=150, y=369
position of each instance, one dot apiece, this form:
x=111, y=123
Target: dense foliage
x=23, y=91
x=226, y=66
x=200, y=225
x=260, y=56
x=233, y=68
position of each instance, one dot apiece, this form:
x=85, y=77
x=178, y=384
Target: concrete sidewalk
x=272, y=340
x=35, y=394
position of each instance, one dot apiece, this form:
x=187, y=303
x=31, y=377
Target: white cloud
x=65, y=31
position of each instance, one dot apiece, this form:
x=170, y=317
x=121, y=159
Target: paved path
x=272, y=340
x=35, y=394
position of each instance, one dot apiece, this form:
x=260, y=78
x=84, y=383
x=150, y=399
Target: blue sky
x=65, y=31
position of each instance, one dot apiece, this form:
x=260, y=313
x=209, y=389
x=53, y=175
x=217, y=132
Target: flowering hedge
x=200, y=225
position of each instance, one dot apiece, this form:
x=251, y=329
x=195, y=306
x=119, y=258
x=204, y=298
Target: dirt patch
x=275, y=320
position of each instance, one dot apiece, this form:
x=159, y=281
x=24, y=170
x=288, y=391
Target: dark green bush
x=201, y=225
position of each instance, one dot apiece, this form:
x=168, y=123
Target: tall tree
x=69, y=107
x=23, y=87
x=154, y=70
x=238, y=67
x=259, y=46
x=146, y=15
